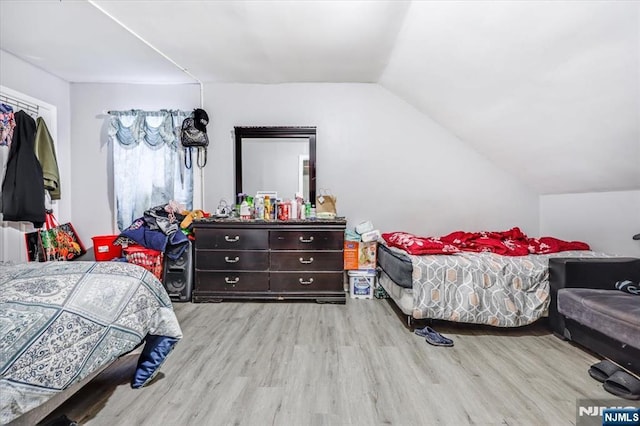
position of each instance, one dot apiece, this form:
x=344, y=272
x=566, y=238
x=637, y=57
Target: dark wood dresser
x=256, y=259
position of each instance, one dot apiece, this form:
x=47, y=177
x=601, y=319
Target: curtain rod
x=20, y=103
x=179, y=111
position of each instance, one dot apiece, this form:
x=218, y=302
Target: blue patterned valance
x=132, y=127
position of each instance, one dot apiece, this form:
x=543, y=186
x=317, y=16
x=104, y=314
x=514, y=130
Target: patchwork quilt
x=61, y=321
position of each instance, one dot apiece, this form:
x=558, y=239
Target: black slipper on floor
x=433, y=337
x=624, y=385
x=602, y=370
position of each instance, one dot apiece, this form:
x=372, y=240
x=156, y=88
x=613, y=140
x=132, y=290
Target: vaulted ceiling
x=549, y=91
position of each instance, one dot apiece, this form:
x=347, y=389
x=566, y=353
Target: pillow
x=156, y=350
x=418, y=245
x=628, y=287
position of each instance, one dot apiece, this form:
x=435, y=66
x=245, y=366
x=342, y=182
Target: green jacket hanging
x=46, y=154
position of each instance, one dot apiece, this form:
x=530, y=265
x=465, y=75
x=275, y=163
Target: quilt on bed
x=482, y=288
x=61, y=321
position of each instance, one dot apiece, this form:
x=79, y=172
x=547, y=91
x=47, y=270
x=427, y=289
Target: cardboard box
x=359, y=255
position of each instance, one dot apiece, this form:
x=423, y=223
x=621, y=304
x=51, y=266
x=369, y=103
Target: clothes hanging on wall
x=46, y=154
x=44, y=145
x=23, y=184
x=7, y=123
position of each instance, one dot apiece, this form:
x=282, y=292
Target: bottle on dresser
x=252, y=206
x=259, y=208
x=293, y=212
x=267, y=208
x=299, y=206
x=245, y=212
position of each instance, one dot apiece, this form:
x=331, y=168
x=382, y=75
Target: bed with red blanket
x=494, y=278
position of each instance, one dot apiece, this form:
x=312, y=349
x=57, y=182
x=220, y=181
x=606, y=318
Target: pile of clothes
x=166, y=228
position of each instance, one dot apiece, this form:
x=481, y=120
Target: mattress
x=397, y=265
x=402, y=296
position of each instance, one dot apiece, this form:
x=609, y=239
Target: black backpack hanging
x=194, y=135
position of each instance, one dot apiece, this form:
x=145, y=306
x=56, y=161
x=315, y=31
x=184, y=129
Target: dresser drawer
x=232, y=281
x=306, y=281
x=306, y=240
x=232, y=260
x=232, y=239
x=307, y=261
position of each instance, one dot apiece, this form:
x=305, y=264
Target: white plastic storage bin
x=361, y=283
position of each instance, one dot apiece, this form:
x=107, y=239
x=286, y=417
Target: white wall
x=607, y=220
x=366, y=135
x=91, y=154
x=384, y=160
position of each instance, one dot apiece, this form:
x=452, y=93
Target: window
x=148, y=162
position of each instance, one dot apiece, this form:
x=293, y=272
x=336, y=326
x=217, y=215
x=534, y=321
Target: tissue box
x=369, y=236
x=359, y=255
x=364, y=227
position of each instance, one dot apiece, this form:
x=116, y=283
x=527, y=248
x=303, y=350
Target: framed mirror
x=276, y=159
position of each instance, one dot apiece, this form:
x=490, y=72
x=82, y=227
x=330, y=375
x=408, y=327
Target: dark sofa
x=586, y=308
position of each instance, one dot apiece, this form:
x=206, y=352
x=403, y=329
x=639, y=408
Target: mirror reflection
x=276, y=159
x=274, y=164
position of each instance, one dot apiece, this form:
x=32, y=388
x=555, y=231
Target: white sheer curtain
x=148, y=162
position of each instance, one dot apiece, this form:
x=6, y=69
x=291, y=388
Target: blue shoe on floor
x=433, y=337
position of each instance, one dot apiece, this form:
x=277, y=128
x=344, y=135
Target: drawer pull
x=306, y=261
x=229, y=260
x=232, y=239
x=231, y=281
x=306, y=240
x=303, y=282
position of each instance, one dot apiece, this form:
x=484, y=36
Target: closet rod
x=20, y=103
x=177, y=111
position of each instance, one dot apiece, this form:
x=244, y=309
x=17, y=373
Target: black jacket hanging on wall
x=23, y=186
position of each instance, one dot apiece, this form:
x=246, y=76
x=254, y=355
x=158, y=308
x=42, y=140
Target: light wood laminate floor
x=355, y=364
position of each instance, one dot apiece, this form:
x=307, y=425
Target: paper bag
x=326, y=205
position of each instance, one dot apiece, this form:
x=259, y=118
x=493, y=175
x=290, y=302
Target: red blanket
x=508, y=243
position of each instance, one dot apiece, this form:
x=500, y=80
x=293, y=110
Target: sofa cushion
x=611, y=312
